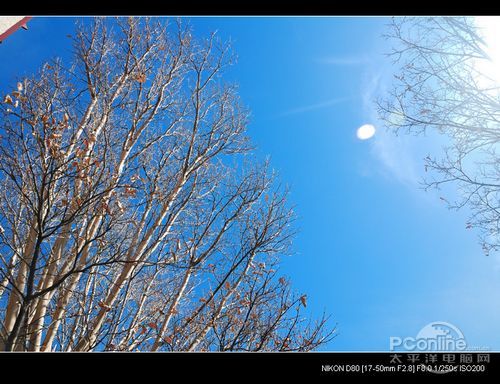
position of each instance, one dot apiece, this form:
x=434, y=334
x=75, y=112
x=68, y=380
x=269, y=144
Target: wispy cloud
x=342, y=60
x=396, y=154
x=312, y=107
x=401, y=156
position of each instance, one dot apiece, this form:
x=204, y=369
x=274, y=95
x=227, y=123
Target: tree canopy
x=133, y=214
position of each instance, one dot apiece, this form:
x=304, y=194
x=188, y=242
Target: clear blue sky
x=384, y=257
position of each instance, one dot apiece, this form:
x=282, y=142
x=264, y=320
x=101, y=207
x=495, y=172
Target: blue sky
x=378, y=253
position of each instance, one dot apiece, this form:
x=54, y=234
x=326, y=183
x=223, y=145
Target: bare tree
x=440, y=85
x=131, y=215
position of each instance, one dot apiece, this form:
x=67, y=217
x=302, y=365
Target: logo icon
x=437, y=336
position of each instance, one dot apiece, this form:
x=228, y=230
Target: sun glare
x=489, y=27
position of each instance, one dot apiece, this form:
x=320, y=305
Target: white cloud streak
x=342, y=61
x=312, y=107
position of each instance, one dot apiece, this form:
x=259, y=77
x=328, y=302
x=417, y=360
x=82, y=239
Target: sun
x=489, y=30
